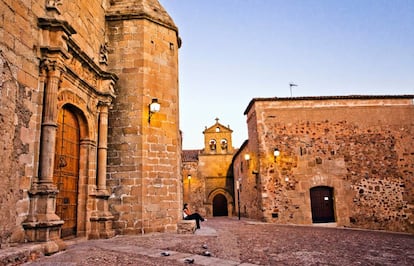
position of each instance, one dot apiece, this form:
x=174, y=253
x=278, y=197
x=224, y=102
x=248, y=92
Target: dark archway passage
x=322, y=204
x=220, y=205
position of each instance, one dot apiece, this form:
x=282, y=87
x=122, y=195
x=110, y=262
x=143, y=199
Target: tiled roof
x=190, y=155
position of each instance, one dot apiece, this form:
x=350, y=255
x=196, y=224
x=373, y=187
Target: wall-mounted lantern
x=276, y=153
x=154, y=107
x=238, y=188
x=189, y=177
x=247, y=157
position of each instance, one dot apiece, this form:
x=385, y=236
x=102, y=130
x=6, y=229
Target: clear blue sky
x=236, y=50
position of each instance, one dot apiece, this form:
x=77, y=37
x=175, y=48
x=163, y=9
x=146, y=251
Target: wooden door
x=66, y=170
x=220, y=205
x=322, y=205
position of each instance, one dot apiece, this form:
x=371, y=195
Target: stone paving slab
x=245, y=242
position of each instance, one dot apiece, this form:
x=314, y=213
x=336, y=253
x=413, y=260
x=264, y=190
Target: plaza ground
x=230, y=241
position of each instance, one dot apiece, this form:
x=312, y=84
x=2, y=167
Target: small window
x=217, y=129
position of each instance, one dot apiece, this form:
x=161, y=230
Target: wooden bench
x=186, y=227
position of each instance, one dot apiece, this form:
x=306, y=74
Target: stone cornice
x=131, y=16
x=325, y=98
x=53, y=24
x=118, y=16
x=57, y=40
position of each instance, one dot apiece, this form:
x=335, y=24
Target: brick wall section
x=362, y=148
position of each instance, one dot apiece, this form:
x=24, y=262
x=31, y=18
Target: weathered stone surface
x=362, y=147
x=244, y=243
x=66, y=55
x=186, y=227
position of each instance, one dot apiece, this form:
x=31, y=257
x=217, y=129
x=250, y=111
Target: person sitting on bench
x=187, y=215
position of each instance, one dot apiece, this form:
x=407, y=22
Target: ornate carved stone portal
x=88, y=91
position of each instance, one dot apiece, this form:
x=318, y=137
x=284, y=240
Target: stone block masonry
x=360, y=147
x=71, y=59
x=144, y=158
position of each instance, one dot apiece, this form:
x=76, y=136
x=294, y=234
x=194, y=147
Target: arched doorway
x=66, y=170
x=220, y=205
x=322, y=204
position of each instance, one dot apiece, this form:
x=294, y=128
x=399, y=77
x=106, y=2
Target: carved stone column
x=49, y=124
x=102, y=147
x=102, y=219
x=42, y=224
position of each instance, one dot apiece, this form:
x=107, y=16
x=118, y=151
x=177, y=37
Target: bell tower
x=217, y=139
x=144, y=138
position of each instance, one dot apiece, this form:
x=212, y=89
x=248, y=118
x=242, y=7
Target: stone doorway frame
x=227, y=195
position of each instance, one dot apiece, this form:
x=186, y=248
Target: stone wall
x=76, y=47
x=210, y=175
x=249, y=194
x=194, y=187
x=20, y=112
x=88, y=19
x=144, y=153
x=362, y=148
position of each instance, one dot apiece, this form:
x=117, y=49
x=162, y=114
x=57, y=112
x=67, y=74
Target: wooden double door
x=66, y=170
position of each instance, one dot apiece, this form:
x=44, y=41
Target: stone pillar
x=42, y=224
x=102, y=147
x=102, y=218
x=49, y=124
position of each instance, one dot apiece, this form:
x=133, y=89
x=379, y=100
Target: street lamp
x=238, y=187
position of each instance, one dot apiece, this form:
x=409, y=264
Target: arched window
x=213, y=144
x=223, y=144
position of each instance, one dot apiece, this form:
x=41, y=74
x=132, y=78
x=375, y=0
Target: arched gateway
x=220, y=205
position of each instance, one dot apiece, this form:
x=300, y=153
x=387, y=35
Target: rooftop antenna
x=290, y=87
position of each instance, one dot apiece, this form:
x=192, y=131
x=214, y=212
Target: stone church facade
x=90, y=142
x=208, y=173
x=82, y=152
x=347, y=160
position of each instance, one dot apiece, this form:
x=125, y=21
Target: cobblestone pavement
x=245, y=242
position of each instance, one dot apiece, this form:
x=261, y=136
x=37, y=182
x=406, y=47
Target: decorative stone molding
x=82, y=67
x=103, y=54
x=51, y=64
